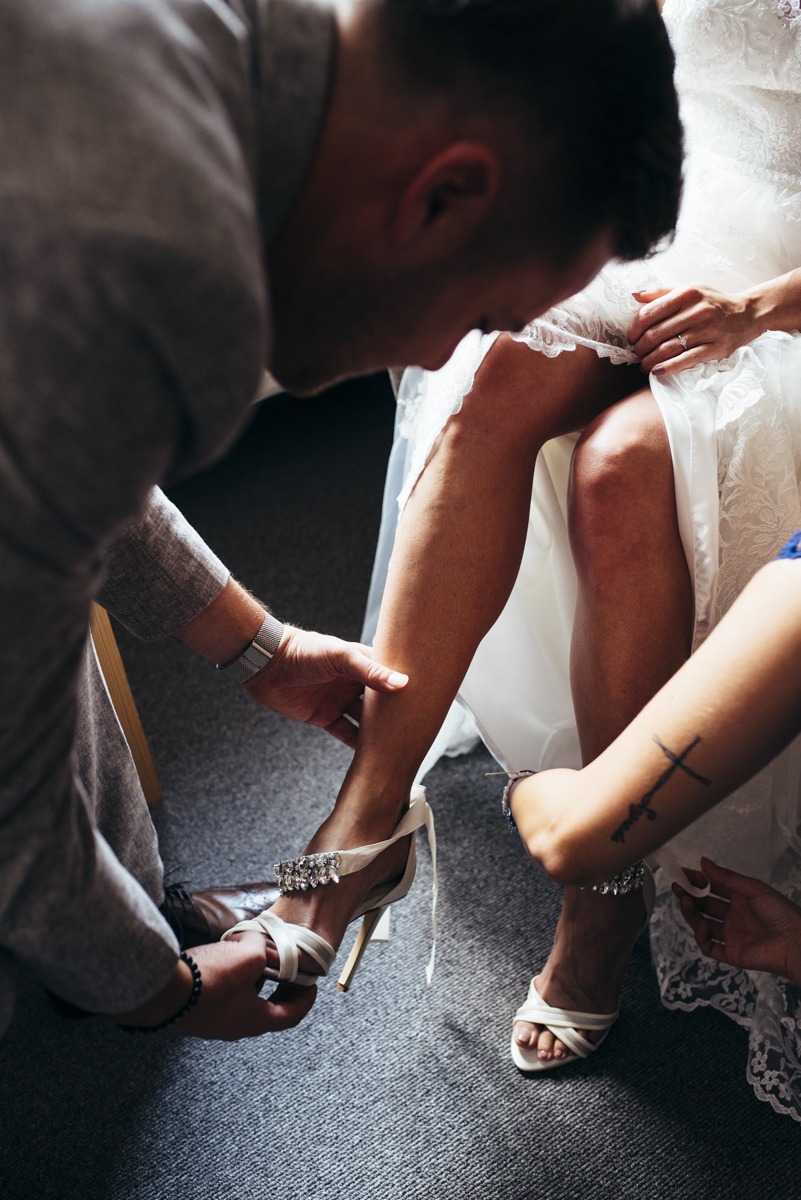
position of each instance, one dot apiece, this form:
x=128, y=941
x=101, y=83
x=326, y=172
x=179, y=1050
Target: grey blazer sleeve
x=79, y=459
x=159, y=572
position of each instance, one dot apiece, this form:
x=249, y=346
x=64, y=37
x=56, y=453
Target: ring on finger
x=682, y=340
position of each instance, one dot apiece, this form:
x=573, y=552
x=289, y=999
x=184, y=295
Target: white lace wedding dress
x=734, y=428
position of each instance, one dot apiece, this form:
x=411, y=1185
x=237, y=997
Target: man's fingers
x=344, y=731
x=260, y=950
x=287, y=1006
x=358, y=665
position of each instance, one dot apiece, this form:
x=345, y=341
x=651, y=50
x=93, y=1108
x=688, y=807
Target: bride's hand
x=319, y=679
x=712, y=325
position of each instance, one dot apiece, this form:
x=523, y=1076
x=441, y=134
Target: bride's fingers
x=674, y=359
x=657, y=306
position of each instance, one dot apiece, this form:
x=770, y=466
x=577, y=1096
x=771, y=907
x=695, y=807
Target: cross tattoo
x=676, y=763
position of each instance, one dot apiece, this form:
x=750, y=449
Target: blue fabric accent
x=791, y=549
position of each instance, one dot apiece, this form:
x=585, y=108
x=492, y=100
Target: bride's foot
x=584, y=972
x=329, y=909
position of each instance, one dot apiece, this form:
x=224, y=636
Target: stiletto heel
x=370, y=922
x=314, y=870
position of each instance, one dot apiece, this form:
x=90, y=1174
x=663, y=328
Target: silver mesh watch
x=257, y=654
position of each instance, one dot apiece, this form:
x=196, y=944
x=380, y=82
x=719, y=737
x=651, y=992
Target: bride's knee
x=621, y=484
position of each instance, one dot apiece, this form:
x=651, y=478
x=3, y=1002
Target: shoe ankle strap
x=414, y=818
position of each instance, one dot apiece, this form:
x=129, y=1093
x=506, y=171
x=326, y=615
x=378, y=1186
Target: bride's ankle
x=375, y=813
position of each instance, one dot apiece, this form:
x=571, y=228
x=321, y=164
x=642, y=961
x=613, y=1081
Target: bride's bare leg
x=456, y=557
x=633, y=629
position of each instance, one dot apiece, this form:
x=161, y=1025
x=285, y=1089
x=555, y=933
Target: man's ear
x=449, y=196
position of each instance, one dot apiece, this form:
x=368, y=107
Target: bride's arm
x=712, y=325
x=729, y=710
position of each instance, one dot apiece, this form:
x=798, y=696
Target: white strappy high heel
x=563, y=1023
x=313, y=870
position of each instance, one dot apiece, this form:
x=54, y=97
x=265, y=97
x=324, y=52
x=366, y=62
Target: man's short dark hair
x=588, y=82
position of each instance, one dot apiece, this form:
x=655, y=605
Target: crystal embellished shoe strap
x=312, y=870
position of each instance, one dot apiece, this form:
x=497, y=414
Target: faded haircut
x=586, y=84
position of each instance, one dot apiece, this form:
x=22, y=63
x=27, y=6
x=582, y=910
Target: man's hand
x=312, y=677
x=744, y=922
x=229, y=1007
x=318, y=679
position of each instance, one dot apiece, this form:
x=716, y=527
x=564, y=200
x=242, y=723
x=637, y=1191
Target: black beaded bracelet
x=194, y=996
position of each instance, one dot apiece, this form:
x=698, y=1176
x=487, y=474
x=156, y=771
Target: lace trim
x=769, y=1008
x=549, y=339
x=789, y=10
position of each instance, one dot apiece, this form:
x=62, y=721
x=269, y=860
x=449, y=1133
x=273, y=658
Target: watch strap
x=257, y=654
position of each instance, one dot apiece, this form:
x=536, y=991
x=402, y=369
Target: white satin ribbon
x=667, y=860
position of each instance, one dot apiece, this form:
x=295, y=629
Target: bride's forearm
x=776, y=304
x=723, y=716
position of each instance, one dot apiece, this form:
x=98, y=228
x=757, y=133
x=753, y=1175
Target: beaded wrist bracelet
x=514, y=776
x=194, y=996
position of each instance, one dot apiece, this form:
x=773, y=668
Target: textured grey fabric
x=394, y=1091
x=159, y=573
x=134, y=327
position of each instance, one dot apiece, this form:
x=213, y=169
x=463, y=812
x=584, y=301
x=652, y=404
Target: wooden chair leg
x=119, y=689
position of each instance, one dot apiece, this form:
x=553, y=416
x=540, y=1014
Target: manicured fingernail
x=658, y=371
x=395, y=679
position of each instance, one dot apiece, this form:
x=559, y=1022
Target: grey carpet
x=395, y=1090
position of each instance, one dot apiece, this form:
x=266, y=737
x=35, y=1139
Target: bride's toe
x=545, y=1045
x=525, y=1033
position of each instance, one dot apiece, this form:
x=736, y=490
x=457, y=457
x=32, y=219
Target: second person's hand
x=744, y=922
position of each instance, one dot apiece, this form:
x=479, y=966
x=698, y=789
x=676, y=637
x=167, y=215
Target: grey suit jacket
x=151, y=148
